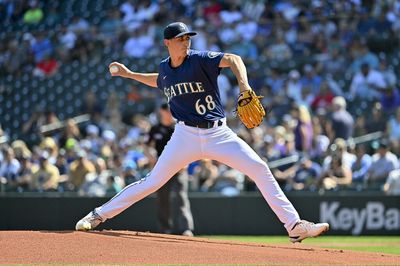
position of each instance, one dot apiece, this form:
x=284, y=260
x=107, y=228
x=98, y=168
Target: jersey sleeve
x=210, y=61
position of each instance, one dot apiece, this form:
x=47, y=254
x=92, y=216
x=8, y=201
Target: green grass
x=382, y=244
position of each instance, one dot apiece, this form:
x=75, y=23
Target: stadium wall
x=362, y=214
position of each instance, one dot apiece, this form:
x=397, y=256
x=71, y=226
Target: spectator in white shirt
x=366, y=83
x=293, y=86
x=392, y=185
x=231, y=15
x=279, y=50
x=79, y=25
x=247, y=29
x=383, y=162
x=9, y=167
x=138, y=45
x=67, y=38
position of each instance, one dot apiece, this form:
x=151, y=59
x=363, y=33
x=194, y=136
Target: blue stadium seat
x=17, y=98
x=26, y=104
x=24, y=90
x=25, y=116
x=67, y=84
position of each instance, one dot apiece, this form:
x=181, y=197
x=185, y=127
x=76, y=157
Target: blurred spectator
x=361, y=165
x=130, y=175
x=365, y=24
x=91, y=105
x=366, y=83
x=320, y=142
x=52, y=17
x=337, y=167
x=388, y=74
x=360, y=126
x=363, y=56
x=110, y=28
x=306, y=176
x=324, y=98
x=34, y=14
x=21, y=150
x=42, y=47
x=338, y=149
x=15, y=57
x=377, y=122
x=390, y=99
x=49, y=144
x=304, y=35
x=112, y=114
x=128, y=9
x=334, y=64
x=112, y=187
x=9, y=168
x=136, y=13
x=70, y=131
x=267, y=152
x=78, y=25
x=279, y=50
x=392, y=184
x=341, y=122
x=139, y=44
x=79, y=169
x=294, y=86
x=25, y=173
x=304, y=130
x=286, y=171
x=320, y=48
x=311, y=79
x=92, y=135
x=275, y=81
x=46, y=68
x=46, y=178
x=228, y=183
x=67, y=41
x=96, y=183
x=383, y=162
x=393, y=130
x=382, y=26
x=225, y=87
x=245, y=50
x=204, y=171
x=338, y=175
x=62, y=165
x=231, y=15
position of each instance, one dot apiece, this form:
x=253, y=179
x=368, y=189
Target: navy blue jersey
x=191, y=89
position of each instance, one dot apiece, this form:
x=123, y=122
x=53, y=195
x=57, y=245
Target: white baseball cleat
x=304, y=229
x=89, y=222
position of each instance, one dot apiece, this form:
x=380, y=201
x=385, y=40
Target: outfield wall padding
x=361, y=214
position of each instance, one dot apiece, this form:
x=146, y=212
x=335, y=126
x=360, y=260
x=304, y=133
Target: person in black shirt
x=159, y=135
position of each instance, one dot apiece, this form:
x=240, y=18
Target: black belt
x=208, y=124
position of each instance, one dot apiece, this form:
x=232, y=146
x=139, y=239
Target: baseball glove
x=249, y=109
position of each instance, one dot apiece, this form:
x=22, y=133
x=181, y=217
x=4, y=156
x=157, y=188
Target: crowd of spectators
x=327, y=70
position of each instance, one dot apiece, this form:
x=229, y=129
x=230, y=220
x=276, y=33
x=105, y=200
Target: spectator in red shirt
x=46, y=68
x=324, y=98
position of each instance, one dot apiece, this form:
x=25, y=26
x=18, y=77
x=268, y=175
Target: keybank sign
x=372, y=216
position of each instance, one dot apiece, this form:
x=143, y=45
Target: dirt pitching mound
x=128, y=247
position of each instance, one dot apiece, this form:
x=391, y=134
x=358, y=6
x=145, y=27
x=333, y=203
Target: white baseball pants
x=189, y=144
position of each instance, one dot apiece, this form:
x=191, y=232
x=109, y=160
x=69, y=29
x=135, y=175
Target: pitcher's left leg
x=231, y=150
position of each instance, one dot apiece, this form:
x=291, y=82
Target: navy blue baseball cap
x=177, y=29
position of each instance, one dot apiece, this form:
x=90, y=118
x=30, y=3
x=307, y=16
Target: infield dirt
x=129, y=247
